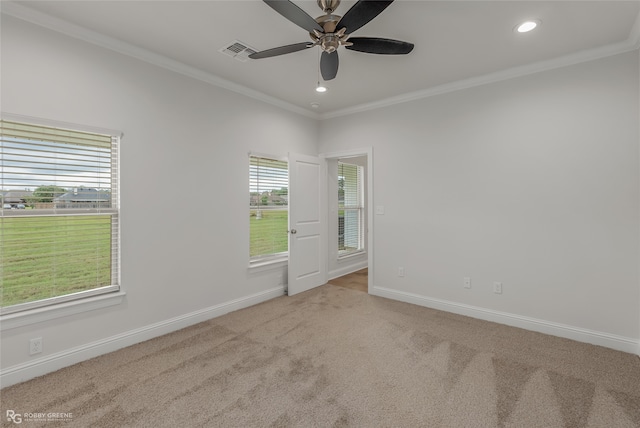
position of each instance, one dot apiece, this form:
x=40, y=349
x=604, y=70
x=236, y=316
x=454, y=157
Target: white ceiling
x=457, y=43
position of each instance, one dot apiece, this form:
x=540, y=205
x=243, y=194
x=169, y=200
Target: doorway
x=349, y=225
x=358, y=280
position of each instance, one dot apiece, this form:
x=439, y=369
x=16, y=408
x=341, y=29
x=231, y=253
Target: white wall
x=184, y=174
x=533, y=182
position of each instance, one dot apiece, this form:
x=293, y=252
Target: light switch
x=380, y=210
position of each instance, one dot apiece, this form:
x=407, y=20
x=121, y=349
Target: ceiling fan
x=330, y=31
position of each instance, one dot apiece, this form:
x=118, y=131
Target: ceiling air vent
x=237, y=50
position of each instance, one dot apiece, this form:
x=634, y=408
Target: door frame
x=368, y=153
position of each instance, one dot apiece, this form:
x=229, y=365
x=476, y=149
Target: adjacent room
x=443, y=223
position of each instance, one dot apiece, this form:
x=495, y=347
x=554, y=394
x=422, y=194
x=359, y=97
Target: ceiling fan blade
x=294, y=14
x=329, y=65
x=281, y=50
x=376, y=45
x=361, y=13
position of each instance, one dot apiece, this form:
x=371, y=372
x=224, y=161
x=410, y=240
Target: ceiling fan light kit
x=330, y=31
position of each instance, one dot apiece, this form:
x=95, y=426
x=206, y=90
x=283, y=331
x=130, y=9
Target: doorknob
x=293, y=231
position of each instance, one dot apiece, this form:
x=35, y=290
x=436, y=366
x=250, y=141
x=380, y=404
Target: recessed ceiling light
x=320, y=88
x=527, y=26
x=315, y=105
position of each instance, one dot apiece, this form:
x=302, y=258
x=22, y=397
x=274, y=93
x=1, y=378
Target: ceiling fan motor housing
x=330, y=39
x=330, y=43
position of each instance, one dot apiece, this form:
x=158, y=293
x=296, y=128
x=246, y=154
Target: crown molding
x=632, y=43
x=35, y=17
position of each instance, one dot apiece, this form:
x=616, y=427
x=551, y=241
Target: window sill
x=47, y=313
x=265, y=265
x=352, y=255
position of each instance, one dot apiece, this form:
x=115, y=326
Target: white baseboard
x=612, y=341
x=50, y=363
x=345, y=270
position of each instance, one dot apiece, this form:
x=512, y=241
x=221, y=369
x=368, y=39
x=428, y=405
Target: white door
x=306, y=255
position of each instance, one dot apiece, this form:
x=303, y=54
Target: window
x=350, y=209
x=59, y=234
x=268, y=209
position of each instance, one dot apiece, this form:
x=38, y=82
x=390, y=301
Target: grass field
x=269, y=234
x=45, y=257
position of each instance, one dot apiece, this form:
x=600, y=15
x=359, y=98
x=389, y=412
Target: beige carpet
x=336, y=357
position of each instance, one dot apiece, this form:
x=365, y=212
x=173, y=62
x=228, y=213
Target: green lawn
x=269, y=234
x=45, y=257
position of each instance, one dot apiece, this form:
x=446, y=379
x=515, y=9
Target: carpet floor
x=335, y=357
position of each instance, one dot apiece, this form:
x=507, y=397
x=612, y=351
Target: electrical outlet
x=400, y=271
x=467, y=282
x=497, y=287
x=35, y=346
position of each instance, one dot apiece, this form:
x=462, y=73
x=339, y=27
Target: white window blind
x=268, y=208
x=350, y=209
x=59, y=224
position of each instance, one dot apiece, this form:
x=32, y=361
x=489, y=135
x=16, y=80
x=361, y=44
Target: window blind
x=350, y=209
x=268, y=207
x=59, y=225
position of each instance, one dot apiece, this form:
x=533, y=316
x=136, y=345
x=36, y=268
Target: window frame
x=98, y=297
x=359, y=208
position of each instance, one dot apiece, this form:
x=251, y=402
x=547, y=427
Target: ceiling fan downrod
x=328, y=6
